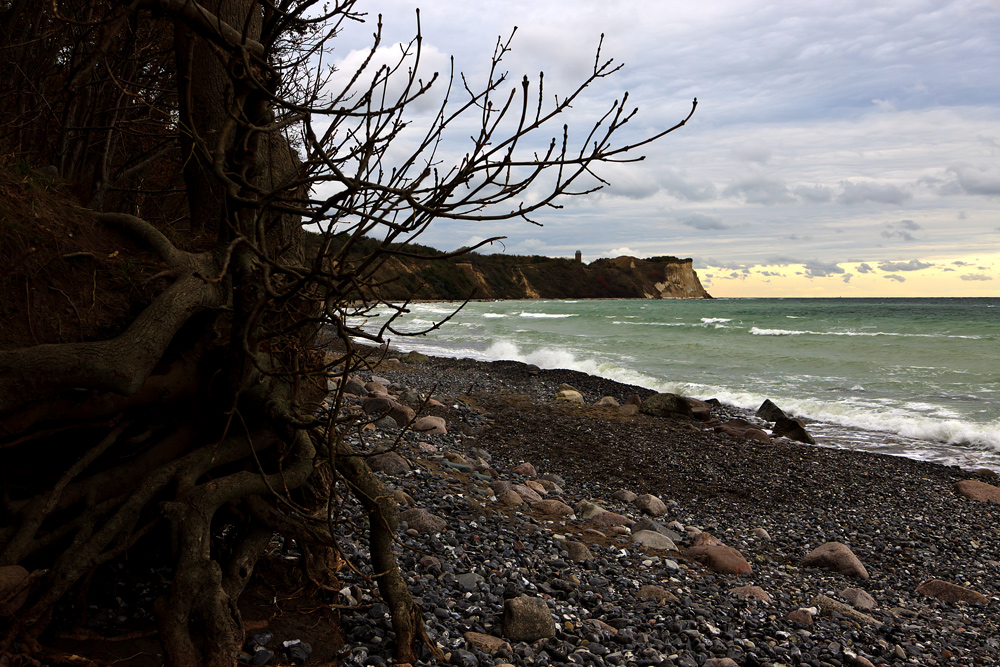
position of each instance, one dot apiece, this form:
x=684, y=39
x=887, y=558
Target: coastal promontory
x=424, y=274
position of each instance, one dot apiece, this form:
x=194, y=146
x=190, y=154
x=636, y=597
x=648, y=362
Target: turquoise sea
x=910, y=377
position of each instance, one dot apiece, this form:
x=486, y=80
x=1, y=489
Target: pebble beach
x=537, y=531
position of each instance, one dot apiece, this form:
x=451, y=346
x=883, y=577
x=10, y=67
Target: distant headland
x=501, y=276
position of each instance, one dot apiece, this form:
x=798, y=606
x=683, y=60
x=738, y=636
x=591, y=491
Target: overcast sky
x=838, y=149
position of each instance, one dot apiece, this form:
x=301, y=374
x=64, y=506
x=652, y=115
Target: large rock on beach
x=355, y=386
x=828, y=606
x=608, y=519
x=653, y=540
x=739, y=428
x=752, y=593
x=525, y=469
x=949, y=592
x=654, y=592
x=793, y=429
x=536, y=486
x=390, y=463
x=430, y=424
x=569, y=396
x=510, y=498
x=666, y=405
x=587, y=510
x=527, y=619
x=488, y=643
x=552, y=507
x=650, y=504
x=578, y=551
x=973, y=489
x=624, y=495
x=770, y=412
x=415, y=357
x=859, y=599
x=527, y=493
x=700, y=410
x=422, y=521
x=385, y=406
x=837, y=557
x=374, y=388
x=720, y=558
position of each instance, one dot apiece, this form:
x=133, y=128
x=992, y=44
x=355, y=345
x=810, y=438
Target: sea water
x=910, y=377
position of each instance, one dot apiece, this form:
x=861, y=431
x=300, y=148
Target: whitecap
x=553, y=316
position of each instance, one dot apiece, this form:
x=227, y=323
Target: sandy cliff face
x=680, y=282
x=653, y=278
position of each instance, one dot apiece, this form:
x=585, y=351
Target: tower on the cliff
x=579, y=257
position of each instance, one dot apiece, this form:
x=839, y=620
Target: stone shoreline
x=469, y=547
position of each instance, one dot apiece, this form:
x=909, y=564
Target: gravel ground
x=774, y=502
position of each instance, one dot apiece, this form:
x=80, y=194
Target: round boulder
x=837, y=557
x=650, y=504
x=720, y=558
x=666, y=405
x=653, y=540
x=527, y=619
x=423, y=521
x=973, y=489
x=390, y=463
x=430, y=424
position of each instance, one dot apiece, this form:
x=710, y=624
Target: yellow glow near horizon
x=956, y=277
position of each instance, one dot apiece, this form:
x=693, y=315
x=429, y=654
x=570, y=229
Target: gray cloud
x=977, y=180
x=976, y=276
x=912, y=265
x=900, y=229
x=856, y=193
x=758, y=154
x=703, y=222
x=959, y=262
x=892, y=276
x=817, y=194
x=679, y=186
x=865, y=268
x=847, y=277
x=760, y=189
x=816, y=269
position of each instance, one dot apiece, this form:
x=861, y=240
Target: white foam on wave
x=893, y=418
x=549, y=316
x=655, y=324
x=759, y=331
x=716, y=320
x=547, y=357
x=493, y=316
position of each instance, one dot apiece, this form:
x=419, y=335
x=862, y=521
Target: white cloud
x=912, y=265
x=623, y=251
